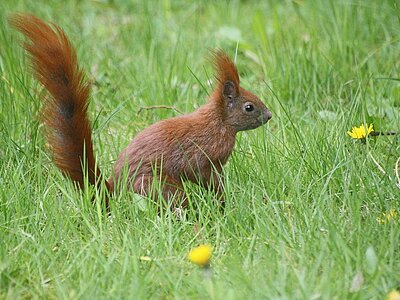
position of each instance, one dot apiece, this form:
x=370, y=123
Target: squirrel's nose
x=267, y=115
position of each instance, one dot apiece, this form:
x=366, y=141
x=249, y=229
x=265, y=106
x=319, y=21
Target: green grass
x=302, y=197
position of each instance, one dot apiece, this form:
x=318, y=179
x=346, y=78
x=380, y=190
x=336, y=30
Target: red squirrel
x=191, y=147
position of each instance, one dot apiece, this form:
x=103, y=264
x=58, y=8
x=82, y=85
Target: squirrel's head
x=239, y=108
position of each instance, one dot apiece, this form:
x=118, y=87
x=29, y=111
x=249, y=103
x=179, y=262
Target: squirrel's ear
x=225, y=69
x=230, y=90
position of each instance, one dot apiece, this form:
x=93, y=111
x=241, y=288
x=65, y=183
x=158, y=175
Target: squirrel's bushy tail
x=54, y=64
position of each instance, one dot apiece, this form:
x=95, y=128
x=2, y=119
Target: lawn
x=310, y=212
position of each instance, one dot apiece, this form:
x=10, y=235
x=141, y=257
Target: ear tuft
x=225, y=69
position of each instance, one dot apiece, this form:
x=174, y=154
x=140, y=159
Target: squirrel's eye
x=249, y=107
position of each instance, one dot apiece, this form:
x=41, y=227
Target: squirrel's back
x=187, y=146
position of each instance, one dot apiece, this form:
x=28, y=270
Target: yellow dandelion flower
x=361, y=132
x=393, y=295
x=387, y=217
x=200, y=255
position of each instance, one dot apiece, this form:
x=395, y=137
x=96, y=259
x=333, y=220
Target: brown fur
x=54, y=64
x=190, y=147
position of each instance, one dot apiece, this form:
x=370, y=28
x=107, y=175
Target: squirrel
x=191, y=147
